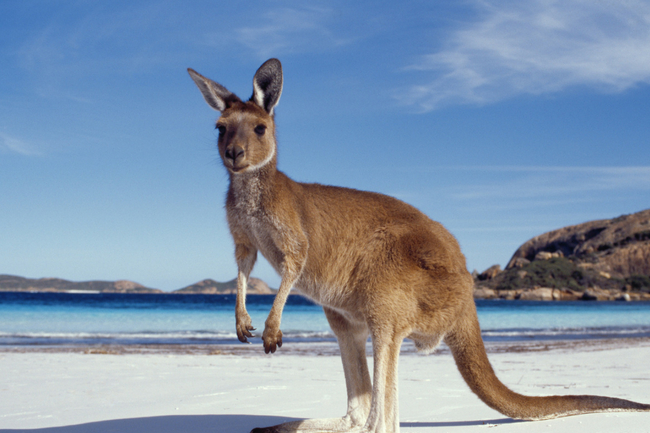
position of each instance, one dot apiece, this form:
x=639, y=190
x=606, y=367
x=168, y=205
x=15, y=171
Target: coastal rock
x=489, y=273
x=596, y=260
x=589, y=295
x=537, y=294
x=567, y=295
x=624, y=297
x=520, y=262
x=545, y=255
x=485, y=293
x=509, y=295
x=619, y=246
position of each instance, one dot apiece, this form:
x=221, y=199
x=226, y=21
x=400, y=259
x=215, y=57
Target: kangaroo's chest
x=260, y=230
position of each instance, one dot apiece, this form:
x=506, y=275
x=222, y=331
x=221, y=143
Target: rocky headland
x=597, y=260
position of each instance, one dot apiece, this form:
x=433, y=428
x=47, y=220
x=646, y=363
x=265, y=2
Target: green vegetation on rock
x=557, y=273
x=639, y=283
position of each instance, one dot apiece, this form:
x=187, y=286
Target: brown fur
x=379, y=267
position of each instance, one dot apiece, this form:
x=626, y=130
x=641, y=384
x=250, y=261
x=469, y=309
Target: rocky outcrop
x=489, y=273
x=597, y=260
x=618, y=247
x=212, y=287
x=21, y=284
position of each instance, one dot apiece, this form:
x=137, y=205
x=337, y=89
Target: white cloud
x=544, y=184
x=15, y=145
x=537, y=47
x=67, y=55
x=288, y=30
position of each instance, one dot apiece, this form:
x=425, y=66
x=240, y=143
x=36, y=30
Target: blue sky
x=500, y=119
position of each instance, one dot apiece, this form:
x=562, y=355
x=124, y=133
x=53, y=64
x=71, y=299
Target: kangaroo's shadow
x=209, y=423
x=167, y=424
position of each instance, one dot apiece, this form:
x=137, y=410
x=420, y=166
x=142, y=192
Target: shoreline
x=318, y=349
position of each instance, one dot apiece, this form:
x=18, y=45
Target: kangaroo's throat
x=247, y=193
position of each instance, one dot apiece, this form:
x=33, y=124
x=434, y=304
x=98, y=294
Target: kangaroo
x=378, y=266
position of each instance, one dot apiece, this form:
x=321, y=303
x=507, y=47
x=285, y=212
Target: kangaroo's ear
x=217, y=96
x=267, y=85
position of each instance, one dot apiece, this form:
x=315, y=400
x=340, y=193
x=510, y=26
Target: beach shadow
x=212, y=423
x=461, y=423
x=167, y=424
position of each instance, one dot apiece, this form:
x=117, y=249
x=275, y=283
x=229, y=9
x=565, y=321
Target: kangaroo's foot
x=334, y=425
x=244, y=326
x=272, y=339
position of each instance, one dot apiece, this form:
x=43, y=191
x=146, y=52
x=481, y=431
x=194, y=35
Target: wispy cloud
x=14, y=145
x=542, y=184
x=289, y=30
x=537, y=47
x=66, y=55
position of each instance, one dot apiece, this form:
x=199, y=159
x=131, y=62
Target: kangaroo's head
x=246, y=129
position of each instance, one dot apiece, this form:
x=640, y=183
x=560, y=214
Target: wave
x=208, y=337
x=565, y=333
x=145, y=337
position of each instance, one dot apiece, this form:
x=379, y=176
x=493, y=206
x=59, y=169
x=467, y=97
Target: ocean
x=55, y=319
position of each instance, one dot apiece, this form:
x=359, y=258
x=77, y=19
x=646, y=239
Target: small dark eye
x=222, y=129
x=260, y=129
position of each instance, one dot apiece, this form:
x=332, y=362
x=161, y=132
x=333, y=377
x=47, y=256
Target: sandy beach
x=235, y=389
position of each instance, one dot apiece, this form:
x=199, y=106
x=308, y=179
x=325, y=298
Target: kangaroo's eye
x=222, y=129
x=260, y=129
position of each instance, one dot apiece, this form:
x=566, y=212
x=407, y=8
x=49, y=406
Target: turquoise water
x=62, y=318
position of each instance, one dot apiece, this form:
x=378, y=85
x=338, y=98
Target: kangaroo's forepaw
x=244, y=328
x=272, y=339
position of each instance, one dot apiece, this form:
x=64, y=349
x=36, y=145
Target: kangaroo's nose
x=234, y=152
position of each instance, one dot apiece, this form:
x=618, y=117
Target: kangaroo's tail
x=467, y=347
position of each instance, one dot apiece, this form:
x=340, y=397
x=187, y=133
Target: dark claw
x=269, y=348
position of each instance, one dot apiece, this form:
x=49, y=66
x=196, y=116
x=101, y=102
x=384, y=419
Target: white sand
x=165, y=393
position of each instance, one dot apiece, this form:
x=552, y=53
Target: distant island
x=212, y=287
x=597, y=260
x=20, y=284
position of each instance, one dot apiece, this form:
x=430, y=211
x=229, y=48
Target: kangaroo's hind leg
x=352, y=337
x=384, y=410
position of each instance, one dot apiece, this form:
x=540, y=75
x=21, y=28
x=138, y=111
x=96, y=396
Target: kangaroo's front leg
x=294, y=246
x=245, y=255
